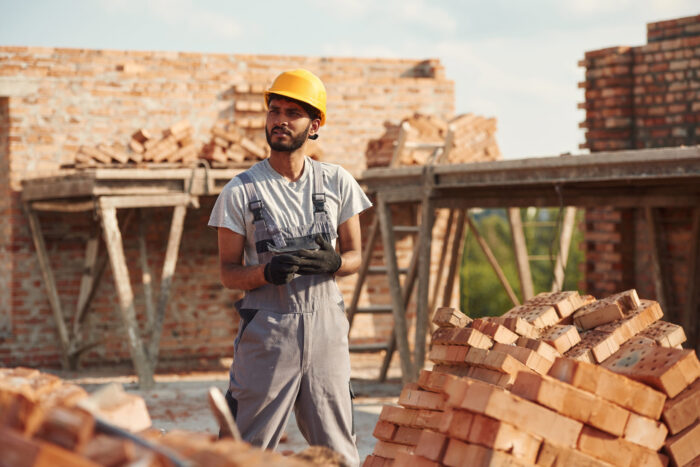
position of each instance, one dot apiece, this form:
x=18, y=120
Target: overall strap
x=260, y=213
x=318, y=195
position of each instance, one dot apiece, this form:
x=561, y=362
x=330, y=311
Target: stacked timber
x=562, y=380
x=45, y=421
x=474, y=139
x=228, y=144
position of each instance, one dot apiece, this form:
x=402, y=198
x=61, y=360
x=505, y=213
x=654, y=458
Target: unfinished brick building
x=645, y=97
x=54, y=100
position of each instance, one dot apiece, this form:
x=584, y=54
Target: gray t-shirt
x=289, y=203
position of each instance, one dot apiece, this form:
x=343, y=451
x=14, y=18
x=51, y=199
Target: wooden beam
x=442, y=270
x=87, y=280
x=146, y=201
x=493, y=262
x=522, y=261
x=690, y=313
x=457, y=250
x=364, y=267
x=64, y=206
x=166, y=280
x=115, y=249
x=656, y=249
x=567, y=231
x=146, y=276
x=397, y=302
x=49, y=282
x=425, y=240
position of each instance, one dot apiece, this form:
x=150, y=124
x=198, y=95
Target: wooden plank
x=690, y=313
x=146, y=276
x=49, y=282
x=64, y=206
x=171, y=253
x=425, y=240
x=407, y=291
x=364, y=267
x=567, y=231
x=456, y=249
x=652, y=225
x=398, y=306
x=442, y=269
x=175, y=199
x=87, y=280
x=493, y=262
x=521, y=256
x=115, y=249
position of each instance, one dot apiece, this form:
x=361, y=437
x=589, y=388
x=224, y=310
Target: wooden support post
x=364, y=267
x=493, y=262
x=49, y=282
x=654, y=243
x=146, y=276
x=456, y=250
x=115, y=249
x=166, y=280
x=690, y=313
x=521, y=256
x=567, y=231
x=88, y=279
x=425, y=237
x=408, y=286
x=398, y=306
x=442, y=270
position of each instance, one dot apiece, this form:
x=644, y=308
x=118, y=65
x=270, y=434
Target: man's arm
x=350, y=245
x=233, y=274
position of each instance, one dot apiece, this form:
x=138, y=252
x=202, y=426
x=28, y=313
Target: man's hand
x=281, y=269
x=324, y=260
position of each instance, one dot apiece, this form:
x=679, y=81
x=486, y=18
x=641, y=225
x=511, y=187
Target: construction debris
x=45, y=421
x=473, y=139
x=584, y=383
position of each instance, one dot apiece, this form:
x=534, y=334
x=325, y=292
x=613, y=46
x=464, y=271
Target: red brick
x=684, y=409
x=417, y=399
x=384, y=430
x=398, y=415
x=407, y=435
x=432, y=445
x=551, y=455
x=497, y=332
x=502, y=436
x=414, y=460
x=462, y=454
x=645, y=432
x=390, y=450
x=446, y=317
x=528, y=357
x=616, y=451
x=685, y=446
x=561, y=337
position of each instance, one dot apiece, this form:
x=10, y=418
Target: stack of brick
x=228, y=144
x=174, y=145
x=47, y=422
x=474, y=140
x=506, y=390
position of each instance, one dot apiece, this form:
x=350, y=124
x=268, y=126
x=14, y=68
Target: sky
x=515, y=60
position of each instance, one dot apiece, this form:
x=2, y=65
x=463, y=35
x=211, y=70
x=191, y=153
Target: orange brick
x=492, y=377
x=398, y=415
x=561, y=337
x=565, y=302
x=384, y=430
x=668, y=370
x=665, y=334
x=685, y=446
x=446, y=317
x=631, y=395
x=390, y=450
x=418, y=399
x=476, y=356
x=606, y=310
x=473, y=338
x=580, y=353
x=684, y=409
x=504, y=363
x=455, y=370
x=495, y=331
x=528, y=357
x=443, y=336
x=645, y=432
x=551, y=455
x=407, y=435
x=429, y=419
x=432, y=445
x=616, y=451
x=542, y=348
x=601, y=344
x=377, y=461
x=502, y=436
x=461, y=454
x=527, y=416
x=456, y=423
x=572, y=402
x=455, y=388
x=414, y=460
x=540, y=316
x=518, y=325
x=20, y=451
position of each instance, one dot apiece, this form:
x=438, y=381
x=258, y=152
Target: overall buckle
x=319, y=200
x=256, y=208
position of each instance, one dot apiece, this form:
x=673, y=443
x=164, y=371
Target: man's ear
x=315, y=125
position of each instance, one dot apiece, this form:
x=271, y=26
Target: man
x=277, y=225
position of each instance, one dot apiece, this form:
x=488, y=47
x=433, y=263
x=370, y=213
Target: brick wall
x=642, y=97
x=54, y=100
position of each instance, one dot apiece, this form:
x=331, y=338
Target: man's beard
x=292, y=145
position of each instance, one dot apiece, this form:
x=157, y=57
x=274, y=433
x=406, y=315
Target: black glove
x=324, y=260
x=281, y=269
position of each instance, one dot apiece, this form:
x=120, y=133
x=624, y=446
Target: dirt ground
x=179, y=399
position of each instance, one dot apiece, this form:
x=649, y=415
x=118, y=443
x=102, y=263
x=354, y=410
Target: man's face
x=287, y=126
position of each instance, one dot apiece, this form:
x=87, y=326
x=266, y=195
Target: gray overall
x=291, y=350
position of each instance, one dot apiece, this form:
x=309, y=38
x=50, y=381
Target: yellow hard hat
x=300, y=85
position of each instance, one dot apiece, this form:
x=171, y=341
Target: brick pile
x=228, y=144
x=474, y=140
x=562, y=380
x=45, y=421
